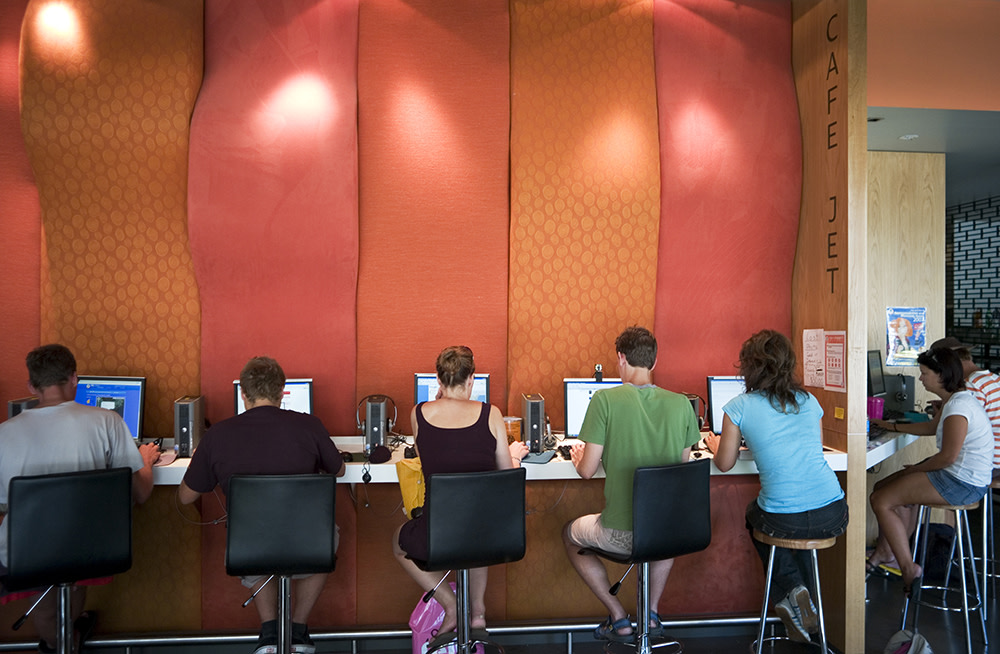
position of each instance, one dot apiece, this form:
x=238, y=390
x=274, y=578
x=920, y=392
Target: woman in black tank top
x=454, y=434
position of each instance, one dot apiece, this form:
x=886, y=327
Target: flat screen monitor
x=298, y=396
x=720, y=391
x=425, y=387
x=576, y=398
x=876, y=375
x=123, y=395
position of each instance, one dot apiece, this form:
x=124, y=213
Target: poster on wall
x=813, y=371
x=835, y=361
x=906, y=335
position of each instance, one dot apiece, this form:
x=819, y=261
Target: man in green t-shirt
x=629, y=426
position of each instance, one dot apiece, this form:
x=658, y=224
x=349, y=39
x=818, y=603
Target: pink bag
x=424, y=622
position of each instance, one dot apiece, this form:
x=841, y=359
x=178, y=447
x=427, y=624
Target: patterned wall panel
x=731, y=159
x=273, y=197
x=20, y=220
x=433, y=130
x=107, y=89
x=106, y=130
x=584, y=189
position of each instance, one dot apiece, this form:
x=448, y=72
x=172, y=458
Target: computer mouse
x=348, y=457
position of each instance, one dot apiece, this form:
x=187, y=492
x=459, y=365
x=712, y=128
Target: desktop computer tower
x=15, y=407
x=533, y=421
x=189, y=423
x=376, y=413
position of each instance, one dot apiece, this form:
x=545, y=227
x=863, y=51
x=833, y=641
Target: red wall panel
x=730, y=165
x=273, y=197
x=433, y=82
x=20, y=219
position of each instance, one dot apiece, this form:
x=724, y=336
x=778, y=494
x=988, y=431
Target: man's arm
x=185, y=495
x=142, y=479
x=586, y=458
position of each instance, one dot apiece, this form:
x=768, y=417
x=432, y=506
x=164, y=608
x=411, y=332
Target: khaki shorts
x=251, y=582
x=587, y=531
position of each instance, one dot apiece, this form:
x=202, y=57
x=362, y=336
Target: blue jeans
x=793, y=567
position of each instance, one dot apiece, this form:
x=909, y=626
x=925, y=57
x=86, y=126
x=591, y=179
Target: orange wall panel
x=20, y=220
x=106, y=93
x=731, y=172
x=585, y=189
x=433, y=134
x=929, y=54
x=273, y=198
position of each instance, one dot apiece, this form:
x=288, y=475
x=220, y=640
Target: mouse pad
x=538, y=457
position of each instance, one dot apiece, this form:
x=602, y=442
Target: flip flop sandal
x=657, y=631
x=441, y=640
x=608, y=630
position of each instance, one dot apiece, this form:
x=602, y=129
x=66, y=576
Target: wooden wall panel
x=906, y=252
x=828, y=283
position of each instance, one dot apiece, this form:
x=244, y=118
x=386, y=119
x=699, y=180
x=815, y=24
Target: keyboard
x=892, y=414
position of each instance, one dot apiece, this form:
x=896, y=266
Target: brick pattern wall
x=972, y=258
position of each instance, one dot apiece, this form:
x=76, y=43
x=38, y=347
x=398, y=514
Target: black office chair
x=474, y=520
x=671, y=516
x=281, y=525
x=64, y=528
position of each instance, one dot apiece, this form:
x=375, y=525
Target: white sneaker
x=800, y=598
x=789, y=614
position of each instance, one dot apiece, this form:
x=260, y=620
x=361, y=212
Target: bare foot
x=448, y=624
x=478, y=621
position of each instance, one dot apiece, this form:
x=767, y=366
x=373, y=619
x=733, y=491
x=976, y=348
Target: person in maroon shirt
x=266, y=440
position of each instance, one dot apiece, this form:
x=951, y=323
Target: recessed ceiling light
x=909, y=137
x=875, y=119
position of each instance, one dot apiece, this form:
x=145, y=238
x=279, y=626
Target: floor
x=944, y=631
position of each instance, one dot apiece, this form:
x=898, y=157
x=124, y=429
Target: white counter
x=556, y=469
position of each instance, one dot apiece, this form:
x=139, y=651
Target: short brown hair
x=50, y=365
x=638, y=345
x=262, y=379
x=455, y=365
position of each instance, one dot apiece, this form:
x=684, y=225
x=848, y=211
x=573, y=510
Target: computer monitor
x=425, y=387
x=721, y=389
x=123, y=395
x=298, y=396
x=576, y=398
x=876, y=375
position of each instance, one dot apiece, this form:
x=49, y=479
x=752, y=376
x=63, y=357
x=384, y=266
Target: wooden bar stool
x=963, y=537
x=811, y=544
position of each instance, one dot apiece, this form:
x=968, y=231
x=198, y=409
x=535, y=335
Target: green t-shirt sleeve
x=595, y=422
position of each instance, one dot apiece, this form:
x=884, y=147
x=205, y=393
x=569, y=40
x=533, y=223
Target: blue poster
x=906, y=335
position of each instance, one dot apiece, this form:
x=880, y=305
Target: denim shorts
x=954, y=491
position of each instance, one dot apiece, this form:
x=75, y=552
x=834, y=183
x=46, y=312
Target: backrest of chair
x=66, y=527
x=671, y=510
x=281, y=524
x=475, y=519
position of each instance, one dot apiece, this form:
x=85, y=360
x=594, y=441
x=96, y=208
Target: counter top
x=556, y=469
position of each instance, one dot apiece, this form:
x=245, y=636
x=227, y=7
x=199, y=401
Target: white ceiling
x=970, y=140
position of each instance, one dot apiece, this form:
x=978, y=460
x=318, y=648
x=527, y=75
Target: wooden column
x=828, y=283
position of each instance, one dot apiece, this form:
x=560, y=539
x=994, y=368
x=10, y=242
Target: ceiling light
x=909, y=137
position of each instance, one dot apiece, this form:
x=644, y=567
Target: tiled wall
x=973, y=287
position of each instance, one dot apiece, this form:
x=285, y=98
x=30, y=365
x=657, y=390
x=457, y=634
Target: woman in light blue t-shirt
x=800, y=496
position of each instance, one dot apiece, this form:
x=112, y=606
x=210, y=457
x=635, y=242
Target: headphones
x=375, y=398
